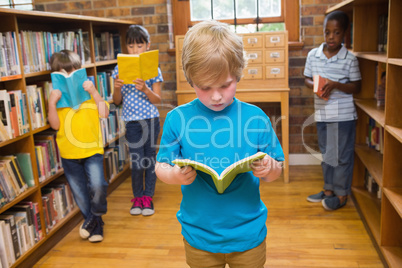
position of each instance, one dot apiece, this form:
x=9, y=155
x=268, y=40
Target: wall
x=153, y=15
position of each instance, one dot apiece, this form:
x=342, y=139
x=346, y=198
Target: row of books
x=9, y=57
x=380, y=84
x=112, y=126
x=38, y=47
x=382, y=32
x=105, y=84
x=58, y=202
x=115, y=160
x=375, y=135
x=371, y=185
x=107, y=46
x=20, y=229
x=47, y=154
x=15, y=176
x=14, y=114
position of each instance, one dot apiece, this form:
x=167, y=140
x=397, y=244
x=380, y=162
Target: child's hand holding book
x=89, y=87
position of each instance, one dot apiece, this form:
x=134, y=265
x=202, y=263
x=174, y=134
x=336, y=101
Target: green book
x=223, y=180
x=26, y=167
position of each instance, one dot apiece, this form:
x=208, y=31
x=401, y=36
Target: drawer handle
x=275, y=55
x=275, y=39
x=252, y=40
x=253, y=56
x=275, y=71
x=252, y=71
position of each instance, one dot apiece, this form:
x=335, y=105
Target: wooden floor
x=300, y=234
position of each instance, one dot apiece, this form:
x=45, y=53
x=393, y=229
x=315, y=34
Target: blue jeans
x=337, y=142
x=142, y=137
x=87, y=182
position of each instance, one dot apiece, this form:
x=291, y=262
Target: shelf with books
x=380, y=60
x=35, y=72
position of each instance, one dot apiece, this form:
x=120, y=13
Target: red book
x=319, y=83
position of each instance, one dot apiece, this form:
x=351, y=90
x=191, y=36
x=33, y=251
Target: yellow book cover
x=144, y=66
x=223, y=180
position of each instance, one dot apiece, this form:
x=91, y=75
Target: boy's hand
x=328, y=87
x=55, y=96
x=89, y=87
x=262, y=168
x=184, y=175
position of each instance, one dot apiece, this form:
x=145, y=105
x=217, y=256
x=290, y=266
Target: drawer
x=254, y=56
x=275, y=71
x=252, y=41
x=275, y=40
x=274, y=55
x=252, y=72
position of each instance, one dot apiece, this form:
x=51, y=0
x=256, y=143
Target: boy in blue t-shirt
x=216, y=129
x=336, y=118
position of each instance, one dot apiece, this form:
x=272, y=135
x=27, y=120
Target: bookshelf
x=265, y=79
x=382, y=216
x=25, y=21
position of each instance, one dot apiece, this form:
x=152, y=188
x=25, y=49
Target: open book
x=223, y=180
x=144, y=66
x=70, y=85
x=319, y=82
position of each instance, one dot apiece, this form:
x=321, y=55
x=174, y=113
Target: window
x=17, y=4
x=251, y=15
x=245, y=15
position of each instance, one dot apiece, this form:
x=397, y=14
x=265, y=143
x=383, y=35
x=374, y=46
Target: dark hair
x=65, y=60
x=340, y=17
x=137, y=34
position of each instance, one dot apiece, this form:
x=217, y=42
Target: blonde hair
x=65, y=60
x=211, y=52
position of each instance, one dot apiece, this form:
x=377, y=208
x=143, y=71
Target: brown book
x=319, y=83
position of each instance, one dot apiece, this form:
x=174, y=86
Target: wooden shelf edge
x=19, y=198
x=344, y=6
x=373, y=56
x=395, y=132
x=372, y=160
x=369, y=208
x=395, y=61
x=394, y=196
x=369, y=106
x=393, y=255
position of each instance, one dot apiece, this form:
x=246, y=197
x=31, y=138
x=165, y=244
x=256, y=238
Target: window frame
x=290, y=16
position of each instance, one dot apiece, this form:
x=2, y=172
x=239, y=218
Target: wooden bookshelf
x=383, y=217
x=17, y=21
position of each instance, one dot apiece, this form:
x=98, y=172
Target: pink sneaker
x=137, y=206
x=148, y=206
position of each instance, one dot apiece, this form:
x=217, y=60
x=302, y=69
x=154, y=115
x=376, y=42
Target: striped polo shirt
x=342, y=68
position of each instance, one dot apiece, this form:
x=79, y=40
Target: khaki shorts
x=252, y=258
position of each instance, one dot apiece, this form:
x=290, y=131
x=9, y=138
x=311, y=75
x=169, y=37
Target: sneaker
x=97, y=233
x=333, y=203
x=148, y=206
x=315, y=198
x=136, y=208
x=87, y=227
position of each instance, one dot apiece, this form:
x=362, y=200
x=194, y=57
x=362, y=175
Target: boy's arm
x=118, y=84
x=267, y=169
x=308, y=81
x=349, y=88
x=103, y=108
x=174, y=174
x=52, y=116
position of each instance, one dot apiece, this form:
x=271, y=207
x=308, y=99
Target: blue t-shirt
x=235, y=220
x=136, y=105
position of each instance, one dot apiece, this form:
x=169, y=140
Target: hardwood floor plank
x=300, y=234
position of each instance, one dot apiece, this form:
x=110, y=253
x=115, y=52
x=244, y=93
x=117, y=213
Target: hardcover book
x=319, y=82
x=144, y=66
x=223, y=180
x=70, y=85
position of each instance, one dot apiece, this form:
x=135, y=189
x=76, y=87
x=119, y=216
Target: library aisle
x=300, y=234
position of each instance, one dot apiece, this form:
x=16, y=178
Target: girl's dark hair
x=65, y=60
x=340, y=17
x=137, y=34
